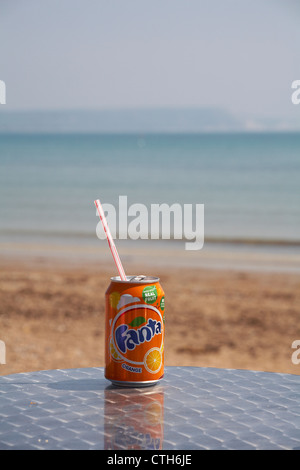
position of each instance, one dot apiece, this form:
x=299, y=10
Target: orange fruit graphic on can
x=134, y=328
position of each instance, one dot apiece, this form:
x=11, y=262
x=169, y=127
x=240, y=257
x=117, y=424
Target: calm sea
x=249, y=183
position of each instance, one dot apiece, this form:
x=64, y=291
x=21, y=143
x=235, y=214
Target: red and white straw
x=110, y=240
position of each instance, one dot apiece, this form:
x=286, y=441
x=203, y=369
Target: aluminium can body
x=134, y=331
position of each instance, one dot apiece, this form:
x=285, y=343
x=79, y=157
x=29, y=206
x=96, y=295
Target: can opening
x=137, y=278
x=140, y=277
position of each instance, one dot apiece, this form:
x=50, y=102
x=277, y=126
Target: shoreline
x=161, y=253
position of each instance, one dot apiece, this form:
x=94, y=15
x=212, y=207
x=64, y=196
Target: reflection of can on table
x=134, y=326
x=133, y=419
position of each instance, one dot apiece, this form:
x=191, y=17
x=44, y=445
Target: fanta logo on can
x=129, y=338
x=137, y=336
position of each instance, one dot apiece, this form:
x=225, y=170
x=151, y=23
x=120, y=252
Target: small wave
x=92, y=235
x=252, y=241
x=46, y=233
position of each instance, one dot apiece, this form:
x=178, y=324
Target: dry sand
x=52, y=317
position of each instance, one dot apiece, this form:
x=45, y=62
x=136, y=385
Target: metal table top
x=191, y=408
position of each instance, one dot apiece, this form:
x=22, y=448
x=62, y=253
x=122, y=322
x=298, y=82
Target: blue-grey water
x=249, y=183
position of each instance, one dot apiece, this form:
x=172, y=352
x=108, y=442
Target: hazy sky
x=238, y=54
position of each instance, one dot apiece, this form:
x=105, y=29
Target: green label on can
x=162, y=303
x=150, y=294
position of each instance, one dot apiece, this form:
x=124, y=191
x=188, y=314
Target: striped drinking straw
x=110, y=240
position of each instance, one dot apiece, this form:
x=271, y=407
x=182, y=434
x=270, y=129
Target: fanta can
x=134, y=331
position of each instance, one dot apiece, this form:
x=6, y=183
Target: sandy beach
x=52, y=315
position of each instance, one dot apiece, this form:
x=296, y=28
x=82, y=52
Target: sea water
x=249, y=183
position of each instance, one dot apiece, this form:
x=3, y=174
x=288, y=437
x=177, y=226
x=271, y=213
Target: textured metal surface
x=192, y=408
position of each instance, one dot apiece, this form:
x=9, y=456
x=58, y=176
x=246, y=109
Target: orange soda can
x=134, y=331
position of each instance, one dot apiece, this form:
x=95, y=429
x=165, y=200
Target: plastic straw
x=110, y=240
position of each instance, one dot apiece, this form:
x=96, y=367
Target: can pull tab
x=140, y=277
